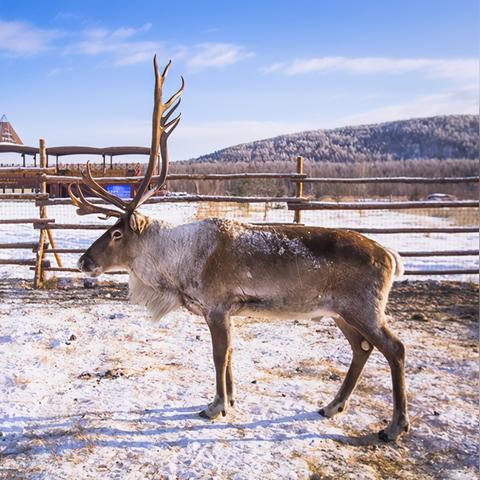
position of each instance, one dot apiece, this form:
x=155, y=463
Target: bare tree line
x=393, y=168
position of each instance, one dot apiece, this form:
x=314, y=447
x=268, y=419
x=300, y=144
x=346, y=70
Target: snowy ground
x=91, y=389
x=181, y=213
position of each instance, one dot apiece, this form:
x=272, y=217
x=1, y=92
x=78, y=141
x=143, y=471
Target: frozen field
x=181, y=213
x=91, y=389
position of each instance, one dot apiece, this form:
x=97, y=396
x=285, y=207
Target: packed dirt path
x=90, y=388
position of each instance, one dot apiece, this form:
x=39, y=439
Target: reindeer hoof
x=232, y=403
x=322, y=412
x=224, y=413
x=204, y=414
x=383, y=436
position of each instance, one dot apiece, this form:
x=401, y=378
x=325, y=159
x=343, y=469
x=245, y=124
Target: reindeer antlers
x=162, y=127
x=84, y=207
x=161, y=130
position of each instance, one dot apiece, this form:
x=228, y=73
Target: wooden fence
x=46, y=175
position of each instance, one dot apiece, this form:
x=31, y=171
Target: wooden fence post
x=39, y=274
x=297, y=218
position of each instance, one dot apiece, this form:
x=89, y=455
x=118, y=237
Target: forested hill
x=441, y=137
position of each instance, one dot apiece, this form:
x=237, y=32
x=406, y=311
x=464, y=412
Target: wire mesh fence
x=415, y=230
x=443, y=220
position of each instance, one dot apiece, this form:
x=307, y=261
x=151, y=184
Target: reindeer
x=220, y=269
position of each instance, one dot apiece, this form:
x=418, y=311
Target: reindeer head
x=116, y=247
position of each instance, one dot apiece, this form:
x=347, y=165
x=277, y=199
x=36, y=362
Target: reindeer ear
x=138, y=222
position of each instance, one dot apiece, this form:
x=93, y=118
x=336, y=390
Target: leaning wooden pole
x=297, y=218
x=39, y=273
x=49, y=232
x=52, y=244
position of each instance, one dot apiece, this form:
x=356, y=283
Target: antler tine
x=164, y=154
x=100, y=191
x=165, y=70
x=160, y=133
x=84, y=207
x=167, y=126
x=164, y=119
x=177, y=94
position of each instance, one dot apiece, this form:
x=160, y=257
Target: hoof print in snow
x=107, y=375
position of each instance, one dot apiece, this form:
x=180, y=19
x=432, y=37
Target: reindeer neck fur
x=168, y=259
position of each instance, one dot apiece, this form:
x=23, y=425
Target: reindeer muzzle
x=87, y=265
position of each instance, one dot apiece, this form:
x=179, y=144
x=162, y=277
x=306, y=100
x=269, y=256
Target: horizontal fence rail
x=292, y=202
x=413, y=230
x=296, y=205
x=23, y=261
x=180, y=199
x=423, y=180
x=178, y=176
x=15, y=171
x=23, y=196
x=444, y=253
x=105, y=226
x=76, y=226
x=458, y=271
x=441, y=253
x=13, y=221
x=452, y=271
x=76, y=270
x=19, y=245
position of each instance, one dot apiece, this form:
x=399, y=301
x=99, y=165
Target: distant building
x=8, y=133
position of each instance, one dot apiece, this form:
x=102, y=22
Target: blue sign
x=122, y=191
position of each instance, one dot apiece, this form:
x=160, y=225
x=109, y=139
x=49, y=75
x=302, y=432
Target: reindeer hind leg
x=361, y=350
x=375, y=330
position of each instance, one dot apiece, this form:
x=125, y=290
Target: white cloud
x=461, y=101
x=460, y=69
x=216, y=55
x=58, y=71
x=122, y=46
x=119, y=43
x=275, y=67
x=20, y=38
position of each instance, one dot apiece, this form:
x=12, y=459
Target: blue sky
x=79, y=72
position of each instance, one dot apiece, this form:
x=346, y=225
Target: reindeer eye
x=117, y=235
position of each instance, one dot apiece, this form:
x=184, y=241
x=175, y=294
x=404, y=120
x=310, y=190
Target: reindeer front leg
x=218, y=322
x=231, y=390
